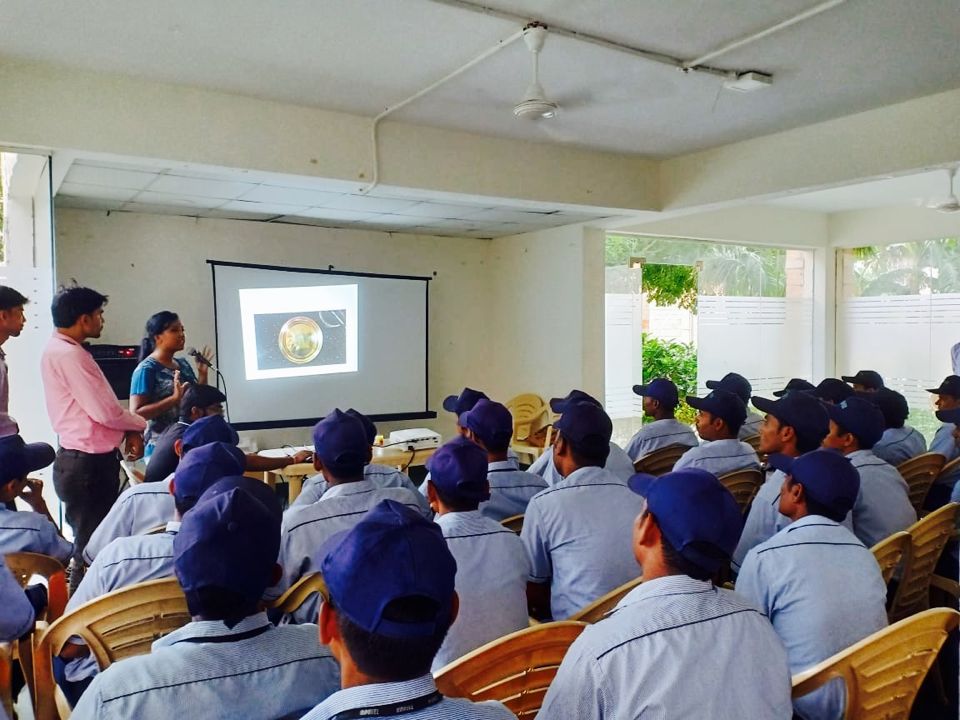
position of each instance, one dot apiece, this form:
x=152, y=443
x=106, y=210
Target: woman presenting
x=159, y=380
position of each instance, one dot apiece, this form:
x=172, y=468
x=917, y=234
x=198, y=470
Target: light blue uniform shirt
x=510, y=489
x=660, y=434
x=883, y=506
x=492, y=572
x=944, y=443
x=125, y=561
x=579, y=537
x=381, y=475
x=899, y=445
x=618, y=463
x=28, y=531
x=674, y=648
x=823, y=592
x=138, y=509
x=764, y=519
x=751, y=426
x=305, y=530
x=397, y=693
x=206, y=670
x=719, y=457
x=17, y=616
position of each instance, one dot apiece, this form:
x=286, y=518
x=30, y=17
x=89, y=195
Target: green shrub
x=676, y=361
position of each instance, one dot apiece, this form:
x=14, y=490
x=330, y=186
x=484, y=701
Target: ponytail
x=157, y=323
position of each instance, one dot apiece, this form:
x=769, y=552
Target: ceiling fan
x=535, y=104
x=952, y=203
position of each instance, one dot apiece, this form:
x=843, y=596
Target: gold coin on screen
x=300, y=339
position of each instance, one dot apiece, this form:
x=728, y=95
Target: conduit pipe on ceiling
x=375, y=180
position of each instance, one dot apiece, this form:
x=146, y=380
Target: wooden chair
x=890, y=551
x=660, y=461
x=928, y=537
x=743, y=485
x=298, y=593
x=753, y=441
x=530, y=413
x=920, y=472
x=950, y=470
x=25, y=564
x=883, y=672
x=120, y=624
x=514, y=522
x=517, y=669
x=599, y=608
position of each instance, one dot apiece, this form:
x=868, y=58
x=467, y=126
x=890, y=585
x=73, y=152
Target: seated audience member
x=576, y=533
x=149, y=505
x=492, y=565
x=818, y=584
x=618, y=462
x=864, y=380
x=793, y=425
x=20, y=607
x=27, y=531
x=341, y=451
x=391, y=600
x=138, y=558
x=795, y=385
x=951, y=418
x=738, y=385
x=660, y=400
x=899, y=441
x=229, y=661
x=948, y=398
x=883, y=505
x=490, y=425
x=677, y=646
x=719, y=417
x=832, y=391
x=200, y=401
x=381, y=475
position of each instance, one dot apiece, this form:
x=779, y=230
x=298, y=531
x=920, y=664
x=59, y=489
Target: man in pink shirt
x=87, y=416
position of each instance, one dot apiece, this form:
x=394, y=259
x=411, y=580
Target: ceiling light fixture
x=535, y=105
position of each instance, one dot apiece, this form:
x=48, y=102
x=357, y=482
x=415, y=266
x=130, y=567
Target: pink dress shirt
x=82, y=407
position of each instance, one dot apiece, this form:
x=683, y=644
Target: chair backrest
x=928, y=537
x=298, y=593
x=890, y=552
x=601, y=606
x=743, y=485
x=920, y=472
x=660, y=461
x=517, y=669
x=25, y=564
x=514, y=522
x=883, y=672
x=950, y=470
x=753, y=441
x=530, y=414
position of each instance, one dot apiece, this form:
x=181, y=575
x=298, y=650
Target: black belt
x=402, y=708
x=81, y=453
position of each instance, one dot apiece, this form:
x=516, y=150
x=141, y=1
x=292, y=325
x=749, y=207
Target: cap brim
x=778, y=393
x=640, y=389
x=849, y=378
x=936, y=391
x=695, y=402
x=834, y=413
x=781, y=462
x=557, y=404
x=764, y=405
x=714, y=384
x=38, y=455
x=641, y=483
x=450, y=403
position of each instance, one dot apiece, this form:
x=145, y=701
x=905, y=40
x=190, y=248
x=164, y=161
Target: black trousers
x=87, y=485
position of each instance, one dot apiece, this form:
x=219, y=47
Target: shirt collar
x=348, y=488
x=172, y=527
x=508, y=464
x=584, y=474
x=199, y=629
x=375, y=694
x=65, y=338
x=860, y=455
x=811, y=520
x=667, y=585
x=453, y=519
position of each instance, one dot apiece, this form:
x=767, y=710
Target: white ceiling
x=194, y=191
x=364, y=55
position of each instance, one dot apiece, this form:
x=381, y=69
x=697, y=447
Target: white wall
x=147, y=263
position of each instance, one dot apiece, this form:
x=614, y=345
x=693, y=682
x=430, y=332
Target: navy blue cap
x=734, y=383
x=18, y=459
x=392, y=553
x=464, y=401
x=558, y=405
x=459, y=471
x=212, y=428
x=490, y=421
x=660, y=389
x=230, y=541
x=256, y=488
x=859, y=417
x=832, y=390
x=340, y=441
x=368, y=425
x=202, y=467
x=892, y=404
x=586, y=426
x=795, y=385
x=696, y=514
x=804, y=413
x=949, y=416
x=826, y=475
x=722, y=404
x=870, y=379
x=950, y=386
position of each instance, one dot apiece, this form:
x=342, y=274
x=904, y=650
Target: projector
x=413, y=439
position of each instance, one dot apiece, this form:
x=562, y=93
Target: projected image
x=298, y=331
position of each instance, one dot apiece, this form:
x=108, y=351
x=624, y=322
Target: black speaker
x=117, y=363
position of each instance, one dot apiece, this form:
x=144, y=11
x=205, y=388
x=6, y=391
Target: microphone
x=195, y=354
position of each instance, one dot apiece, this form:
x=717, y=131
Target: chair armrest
x=951, y=587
